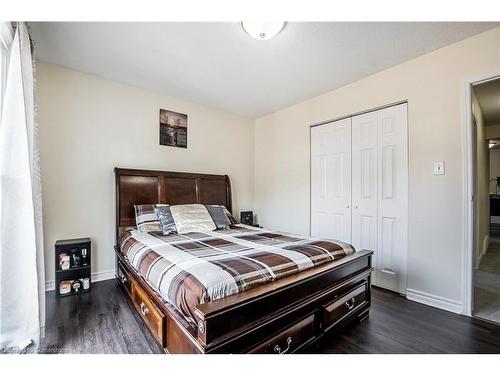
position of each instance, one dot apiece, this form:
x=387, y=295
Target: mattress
x=195, y=268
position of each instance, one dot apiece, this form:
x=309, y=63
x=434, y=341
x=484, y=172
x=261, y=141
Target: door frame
x=468, y=198
x=359, y=113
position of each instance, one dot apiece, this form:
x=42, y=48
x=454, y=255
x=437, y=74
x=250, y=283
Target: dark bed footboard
x=312, y=302
x=282, y=317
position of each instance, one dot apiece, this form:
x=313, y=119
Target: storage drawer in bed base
x=348, y=303
x=291, y=339
x=152, y=316
x=343, y=306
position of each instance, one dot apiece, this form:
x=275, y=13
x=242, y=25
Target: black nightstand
x=72, y=262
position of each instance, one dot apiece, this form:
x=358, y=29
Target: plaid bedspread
x=191, y=269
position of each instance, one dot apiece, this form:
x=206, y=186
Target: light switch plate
x=439, y=167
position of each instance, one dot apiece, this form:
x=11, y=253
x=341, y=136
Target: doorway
x=485, y=150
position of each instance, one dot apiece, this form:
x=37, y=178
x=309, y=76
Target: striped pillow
x=146, y=219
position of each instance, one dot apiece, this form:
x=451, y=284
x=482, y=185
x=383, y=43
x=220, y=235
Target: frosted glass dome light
x=262, y=30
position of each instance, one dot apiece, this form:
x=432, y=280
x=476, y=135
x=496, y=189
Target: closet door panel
x=331, y=180
x=392, y=219
x=319, y=187
x=359, y=188
x=364, y=182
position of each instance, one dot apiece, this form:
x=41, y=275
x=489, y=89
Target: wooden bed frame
x=284, y=316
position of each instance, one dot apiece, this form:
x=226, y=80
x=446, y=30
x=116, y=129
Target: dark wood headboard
x=137, y=186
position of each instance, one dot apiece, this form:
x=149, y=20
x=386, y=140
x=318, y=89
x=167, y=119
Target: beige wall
x=494, y=168
x=90, y=125
x=492, y=131
x=483, y=177
x=434, y=85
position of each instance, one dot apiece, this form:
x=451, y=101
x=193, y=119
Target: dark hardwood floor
x=104, y=321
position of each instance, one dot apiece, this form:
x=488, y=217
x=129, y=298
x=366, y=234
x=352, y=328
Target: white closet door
x=390, y=266
x=364, y=183
x=331, y=180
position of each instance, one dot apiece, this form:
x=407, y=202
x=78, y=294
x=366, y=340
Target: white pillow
x=192, y=218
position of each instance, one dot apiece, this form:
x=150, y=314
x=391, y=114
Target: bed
x=239, y=290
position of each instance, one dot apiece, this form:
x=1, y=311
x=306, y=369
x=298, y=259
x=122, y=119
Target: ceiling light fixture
x=262, y=30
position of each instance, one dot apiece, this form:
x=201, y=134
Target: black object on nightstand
x=73, y=271
x=246, y=217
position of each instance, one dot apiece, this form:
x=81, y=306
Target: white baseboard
x=49, y=285
x=96, y=276
x=435, y=301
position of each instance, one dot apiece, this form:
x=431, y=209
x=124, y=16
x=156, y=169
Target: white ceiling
x=218, y=65
x=488, y=96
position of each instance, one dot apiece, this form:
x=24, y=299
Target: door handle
x=277, y=348
x=388, y=271
x=350, y=303
x=144, y=309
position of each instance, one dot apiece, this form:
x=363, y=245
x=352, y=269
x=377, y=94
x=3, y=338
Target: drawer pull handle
x=277, y=348
x=388, y=271
x=144, y=309
x=350, y=303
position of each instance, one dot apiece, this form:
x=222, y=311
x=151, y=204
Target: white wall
x=433, y=84
x=90, y=125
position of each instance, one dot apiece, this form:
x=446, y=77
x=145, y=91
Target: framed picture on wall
x=173, y=129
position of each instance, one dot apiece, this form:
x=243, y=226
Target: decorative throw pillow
x=146, y=219
x=219, y=216
x=230, y=216
x=167, y=222
x=192, y=218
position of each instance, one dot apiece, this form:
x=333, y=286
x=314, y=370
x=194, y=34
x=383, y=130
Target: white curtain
x=22, y=279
